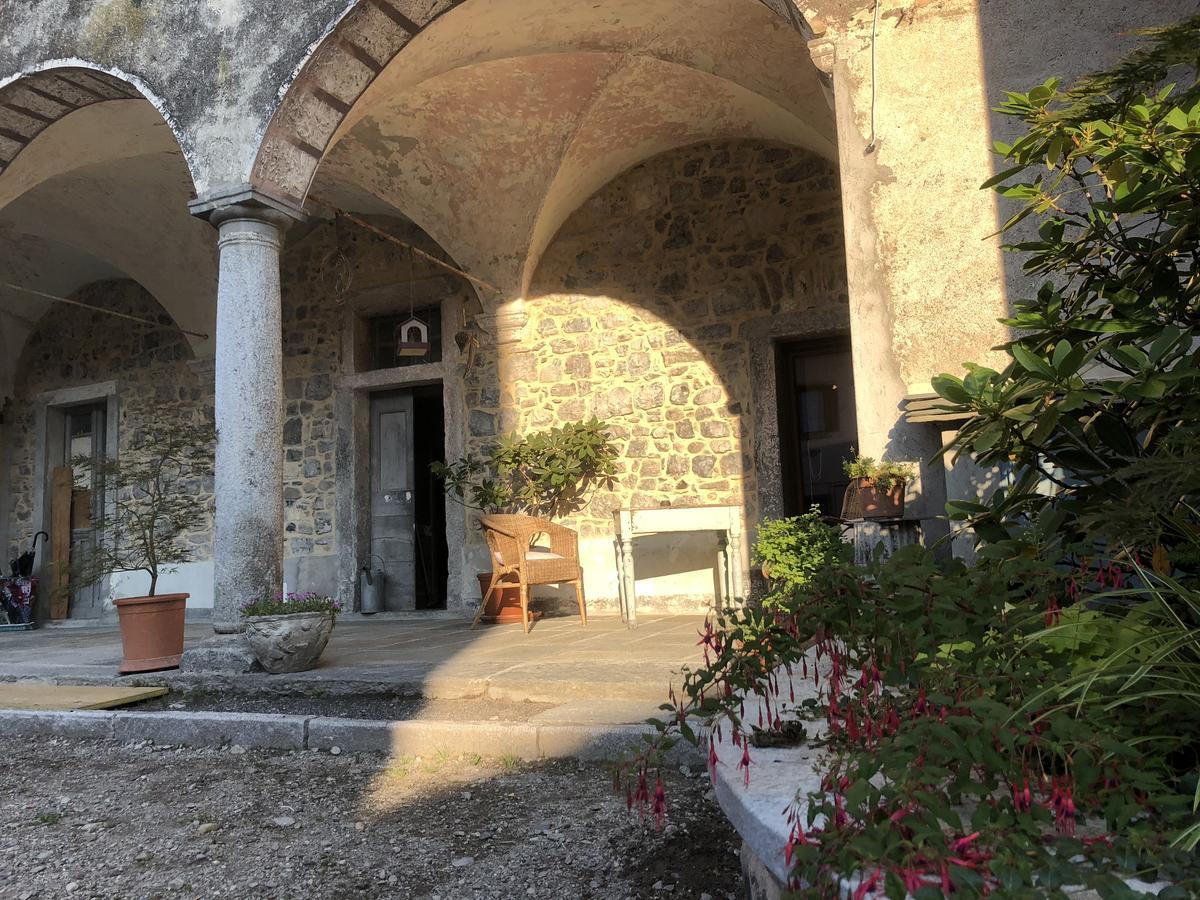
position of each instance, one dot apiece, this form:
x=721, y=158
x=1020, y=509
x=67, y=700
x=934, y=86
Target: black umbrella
x=22, y=566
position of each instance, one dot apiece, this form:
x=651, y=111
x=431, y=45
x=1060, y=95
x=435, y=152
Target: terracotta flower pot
x=878, y=504
x=504, y=607
x=289, y=643
x=151, y=632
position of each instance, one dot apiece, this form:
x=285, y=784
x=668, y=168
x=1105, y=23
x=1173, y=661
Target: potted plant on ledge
x=879, y=486
x=150, y=489
x=288, y=632
x=547, y=474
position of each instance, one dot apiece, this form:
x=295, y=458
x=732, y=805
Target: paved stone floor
x=558, y=662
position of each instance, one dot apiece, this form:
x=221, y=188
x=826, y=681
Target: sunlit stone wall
x=646, y=311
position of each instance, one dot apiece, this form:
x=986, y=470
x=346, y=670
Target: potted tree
x=150, y=490
x=288, y=632
x=547, y=473
x=879, y=486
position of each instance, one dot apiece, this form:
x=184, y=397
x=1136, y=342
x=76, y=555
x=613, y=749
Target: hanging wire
x=874, y=31
x=440, y=263
x=412, y=304
x=100, y=309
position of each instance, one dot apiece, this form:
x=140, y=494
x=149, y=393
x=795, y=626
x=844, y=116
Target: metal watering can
x=371, y=587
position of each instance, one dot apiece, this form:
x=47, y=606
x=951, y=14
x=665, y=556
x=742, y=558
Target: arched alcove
x=492, y=123
x=107, y=300
x=93, y=184
x=658, y=307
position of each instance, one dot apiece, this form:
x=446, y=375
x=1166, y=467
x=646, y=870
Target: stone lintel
x=204, y=367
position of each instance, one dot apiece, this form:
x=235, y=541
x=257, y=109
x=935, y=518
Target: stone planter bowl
x=289, y=643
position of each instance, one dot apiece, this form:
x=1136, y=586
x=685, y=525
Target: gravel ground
x=91, y=819
x=352, y=706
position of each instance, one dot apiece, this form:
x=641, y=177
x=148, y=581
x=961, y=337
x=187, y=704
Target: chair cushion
x=536, y=553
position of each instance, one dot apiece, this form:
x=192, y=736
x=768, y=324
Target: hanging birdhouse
x=412, y=337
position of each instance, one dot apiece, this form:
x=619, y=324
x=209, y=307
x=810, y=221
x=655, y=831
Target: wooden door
x=60, y=542
x=392, y=503
x=85, y=428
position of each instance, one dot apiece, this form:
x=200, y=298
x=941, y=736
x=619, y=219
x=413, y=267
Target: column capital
x=505, y=324
x=247, y=202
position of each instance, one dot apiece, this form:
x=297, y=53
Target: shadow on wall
x=1022, y=46
x=1012, y=45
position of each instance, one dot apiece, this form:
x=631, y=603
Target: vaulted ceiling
x=500, y=118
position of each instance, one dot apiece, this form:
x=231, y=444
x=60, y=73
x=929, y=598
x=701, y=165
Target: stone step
x=414, y=737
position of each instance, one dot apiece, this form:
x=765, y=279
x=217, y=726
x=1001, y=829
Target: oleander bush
x=546, y=473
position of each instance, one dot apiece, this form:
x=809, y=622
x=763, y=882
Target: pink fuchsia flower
x=868, y=885
x=660, y=803
x=744, y=763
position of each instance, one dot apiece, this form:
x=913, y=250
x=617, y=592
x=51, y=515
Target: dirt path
x=84, y=819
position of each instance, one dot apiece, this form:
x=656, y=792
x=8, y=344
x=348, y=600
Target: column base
x=225, y=654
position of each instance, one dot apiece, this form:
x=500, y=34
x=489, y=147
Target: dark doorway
x=429, y=446
x=408, y=521
x=817, y=424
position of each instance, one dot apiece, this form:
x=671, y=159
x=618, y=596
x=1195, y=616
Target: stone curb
x=76, y=724
x=268, y=731
x=430, y=686
x=213, y=729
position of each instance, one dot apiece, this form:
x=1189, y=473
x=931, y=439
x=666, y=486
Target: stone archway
x=32, y=102
x=93, y=208
x=489, y=138
x=94, y=185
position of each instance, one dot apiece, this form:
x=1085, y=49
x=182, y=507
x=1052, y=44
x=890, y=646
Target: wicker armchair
x=508, y=539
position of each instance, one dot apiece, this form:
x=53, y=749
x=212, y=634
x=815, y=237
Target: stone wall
x=153, y=369
x=329, y=274
x=323, y=270
x=645, y=311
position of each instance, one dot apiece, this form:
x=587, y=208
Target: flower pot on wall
x=876, y=503
x=151, y=632
x=289, y=643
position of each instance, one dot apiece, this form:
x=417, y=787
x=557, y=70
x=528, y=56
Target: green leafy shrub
x=959, y=753
x=548, y=473
x=1100, y=400
x=790, y=551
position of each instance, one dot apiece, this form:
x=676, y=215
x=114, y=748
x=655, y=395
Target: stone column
x=248, y=530
x=926, y=283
